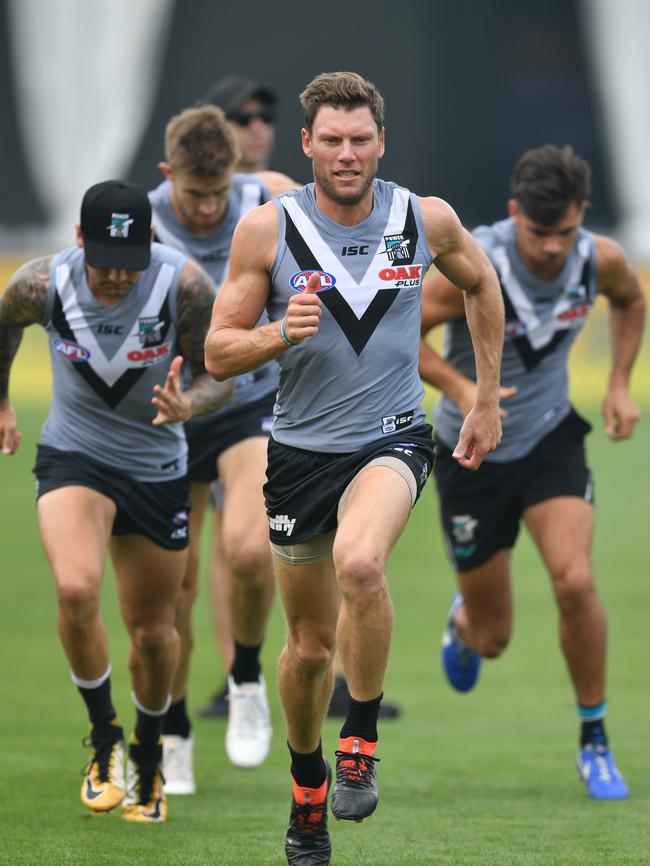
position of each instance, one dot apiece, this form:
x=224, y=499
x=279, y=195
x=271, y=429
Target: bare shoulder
x=276, y=182
x=25, y=299
x=614, y=272
x=609, y=254
x=441, y=224
x=256, y=236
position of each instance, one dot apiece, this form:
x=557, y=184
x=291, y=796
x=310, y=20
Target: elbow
x=213, y=359
x=215, y=370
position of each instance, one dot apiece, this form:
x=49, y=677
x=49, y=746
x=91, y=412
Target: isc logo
x=355, y=251
x=72, y=351
x=299, y=281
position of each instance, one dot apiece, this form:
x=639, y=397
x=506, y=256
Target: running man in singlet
x=339, y=264
x=112, y=463
x=551, y=270
x=196, y=210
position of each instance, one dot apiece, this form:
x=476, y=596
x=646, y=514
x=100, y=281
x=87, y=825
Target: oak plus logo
x=120, y=223
x=401, y=276
x=282, y=523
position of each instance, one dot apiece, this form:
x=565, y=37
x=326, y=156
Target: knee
x=152, y=638
x=249, y=559
x=311, y=654
x=574, y=589
x=490, y=645
x=360, y=576
x=78, y=600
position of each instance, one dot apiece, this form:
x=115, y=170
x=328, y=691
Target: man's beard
x=343, y=197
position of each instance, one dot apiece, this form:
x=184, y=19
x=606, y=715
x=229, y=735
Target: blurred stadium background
x=85, y=92
x=87, y=89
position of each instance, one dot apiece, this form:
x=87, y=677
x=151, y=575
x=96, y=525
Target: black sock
x=176, y=721
x=100, y=706
x=148, y=728
x=246, y=664
x=593, y=733
x=361, y=720
x=308, y=770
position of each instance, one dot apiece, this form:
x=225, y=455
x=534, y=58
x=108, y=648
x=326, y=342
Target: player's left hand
x=480, y=434
x=620, y=414
x=170, y=400
x=9, y=435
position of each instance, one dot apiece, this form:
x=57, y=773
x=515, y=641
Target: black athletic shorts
x=303, y=488
x=158, y=510
x=481, y=511
x=208, y=437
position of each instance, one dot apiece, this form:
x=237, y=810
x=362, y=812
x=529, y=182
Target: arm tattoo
x=23, y=303
x=195, y=297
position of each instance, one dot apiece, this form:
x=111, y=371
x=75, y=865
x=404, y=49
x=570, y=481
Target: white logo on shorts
x=282, y=523
x=463, y=526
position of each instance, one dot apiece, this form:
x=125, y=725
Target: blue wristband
x=284, y=336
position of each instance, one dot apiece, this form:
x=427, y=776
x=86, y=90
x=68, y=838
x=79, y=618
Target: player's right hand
x=9, y=436
x=304, y=311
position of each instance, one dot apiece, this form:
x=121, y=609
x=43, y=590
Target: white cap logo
x=119, y=227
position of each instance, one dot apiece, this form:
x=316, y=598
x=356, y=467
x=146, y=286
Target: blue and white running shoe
x=600, y=774
x=459, y=661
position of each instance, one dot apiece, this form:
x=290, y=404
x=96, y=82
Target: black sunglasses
x=244, y=118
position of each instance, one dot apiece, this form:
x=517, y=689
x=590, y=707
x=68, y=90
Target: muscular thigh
x=75, y=524
x=148, y=578
x=242, y=471
x=310, y=598
x=562, y=528
x=373, y=514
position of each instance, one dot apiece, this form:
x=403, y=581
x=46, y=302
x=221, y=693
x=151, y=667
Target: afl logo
x=299, y=281
x=72, y=351
x=514, y=328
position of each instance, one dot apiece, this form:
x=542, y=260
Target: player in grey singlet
x=339, y=266
x=196, y=210
x=121, y=314
x=550, y=270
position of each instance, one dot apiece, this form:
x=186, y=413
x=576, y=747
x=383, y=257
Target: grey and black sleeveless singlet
x=105, y=362
x=357, y=379
x=543, y=318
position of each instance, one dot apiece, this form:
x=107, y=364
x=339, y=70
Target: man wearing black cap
x=111, y=463
x=250, y=109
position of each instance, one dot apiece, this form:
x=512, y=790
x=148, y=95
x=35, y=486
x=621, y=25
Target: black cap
x=116, y=226
x=230, y=92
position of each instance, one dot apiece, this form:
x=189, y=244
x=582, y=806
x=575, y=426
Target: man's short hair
x=547, y=179
x=341, y=90
x=199, y=141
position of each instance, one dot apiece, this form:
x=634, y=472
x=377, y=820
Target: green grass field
x=484, y=779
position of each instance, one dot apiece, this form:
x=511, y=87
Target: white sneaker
x=178, y=765
x=248, y=737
